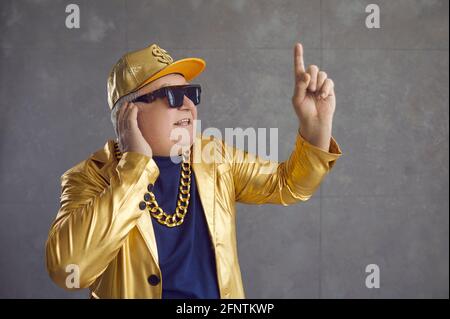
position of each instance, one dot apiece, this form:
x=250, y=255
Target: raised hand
x=313, y=100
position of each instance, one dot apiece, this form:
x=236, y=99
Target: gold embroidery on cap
x=161, y=55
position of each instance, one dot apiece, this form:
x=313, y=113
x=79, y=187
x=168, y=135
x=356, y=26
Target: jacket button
x=147, y=197
x=142, y=205
x=153, y=280
x=150, y=187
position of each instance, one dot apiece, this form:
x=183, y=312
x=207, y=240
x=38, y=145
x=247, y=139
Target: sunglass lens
x=175, y=97
x=193, y=93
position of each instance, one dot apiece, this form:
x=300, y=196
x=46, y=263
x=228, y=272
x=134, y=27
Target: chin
x=182, y=135
x=185, y=144
x=182, y=143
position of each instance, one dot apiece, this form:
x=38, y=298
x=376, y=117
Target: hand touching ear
x=130, y=136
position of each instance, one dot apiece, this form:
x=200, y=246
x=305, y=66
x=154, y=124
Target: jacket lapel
x=204, y=176
x=145, y=227
x=107, y=160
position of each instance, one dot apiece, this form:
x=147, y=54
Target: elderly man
x=138, y=220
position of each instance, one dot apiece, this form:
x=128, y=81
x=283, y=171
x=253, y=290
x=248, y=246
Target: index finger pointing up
x=298, y=59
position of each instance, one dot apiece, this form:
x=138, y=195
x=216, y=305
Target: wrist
x=319, y=137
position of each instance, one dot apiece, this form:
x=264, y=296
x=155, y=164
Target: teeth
x=183, y=121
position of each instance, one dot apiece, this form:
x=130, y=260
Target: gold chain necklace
x=177, y=218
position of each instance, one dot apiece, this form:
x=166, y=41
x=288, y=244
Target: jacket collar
x=204, y=176
x=105, y=154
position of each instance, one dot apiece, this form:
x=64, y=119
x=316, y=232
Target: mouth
x=183, y=122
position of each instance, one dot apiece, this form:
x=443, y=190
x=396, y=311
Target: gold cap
x=138, y=68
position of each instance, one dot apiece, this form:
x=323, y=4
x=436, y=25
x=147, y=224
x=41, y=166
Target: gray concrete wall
x=386, y=201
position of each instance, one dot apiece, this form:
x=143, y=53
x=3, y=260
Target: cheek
x=154, y=123
x=142, y=119
x=146, y=122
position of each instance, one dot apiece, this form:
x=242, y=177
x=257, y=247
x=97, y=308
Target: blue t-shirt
x=185, y=252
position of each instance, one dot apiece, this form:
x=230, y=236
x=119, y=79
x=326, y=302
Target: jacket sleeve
x=94, y=220
x=261, y=181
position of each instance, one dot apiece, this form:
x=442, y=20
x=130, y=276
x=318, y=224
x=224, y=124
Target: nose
x=187, y=105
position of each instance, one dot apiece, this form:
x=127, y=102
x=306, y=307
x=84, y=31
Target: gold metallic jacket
x=100, y=228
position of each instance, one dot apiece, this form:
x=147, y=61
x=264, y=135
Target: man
x=146, y=216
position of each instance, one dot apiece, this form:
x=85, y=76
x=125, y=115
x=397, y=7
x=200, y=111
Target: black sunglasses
x=175, y=94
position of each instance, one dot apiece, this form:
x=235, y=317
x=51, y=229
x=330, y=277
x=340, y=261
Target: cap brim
x=189, y=68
